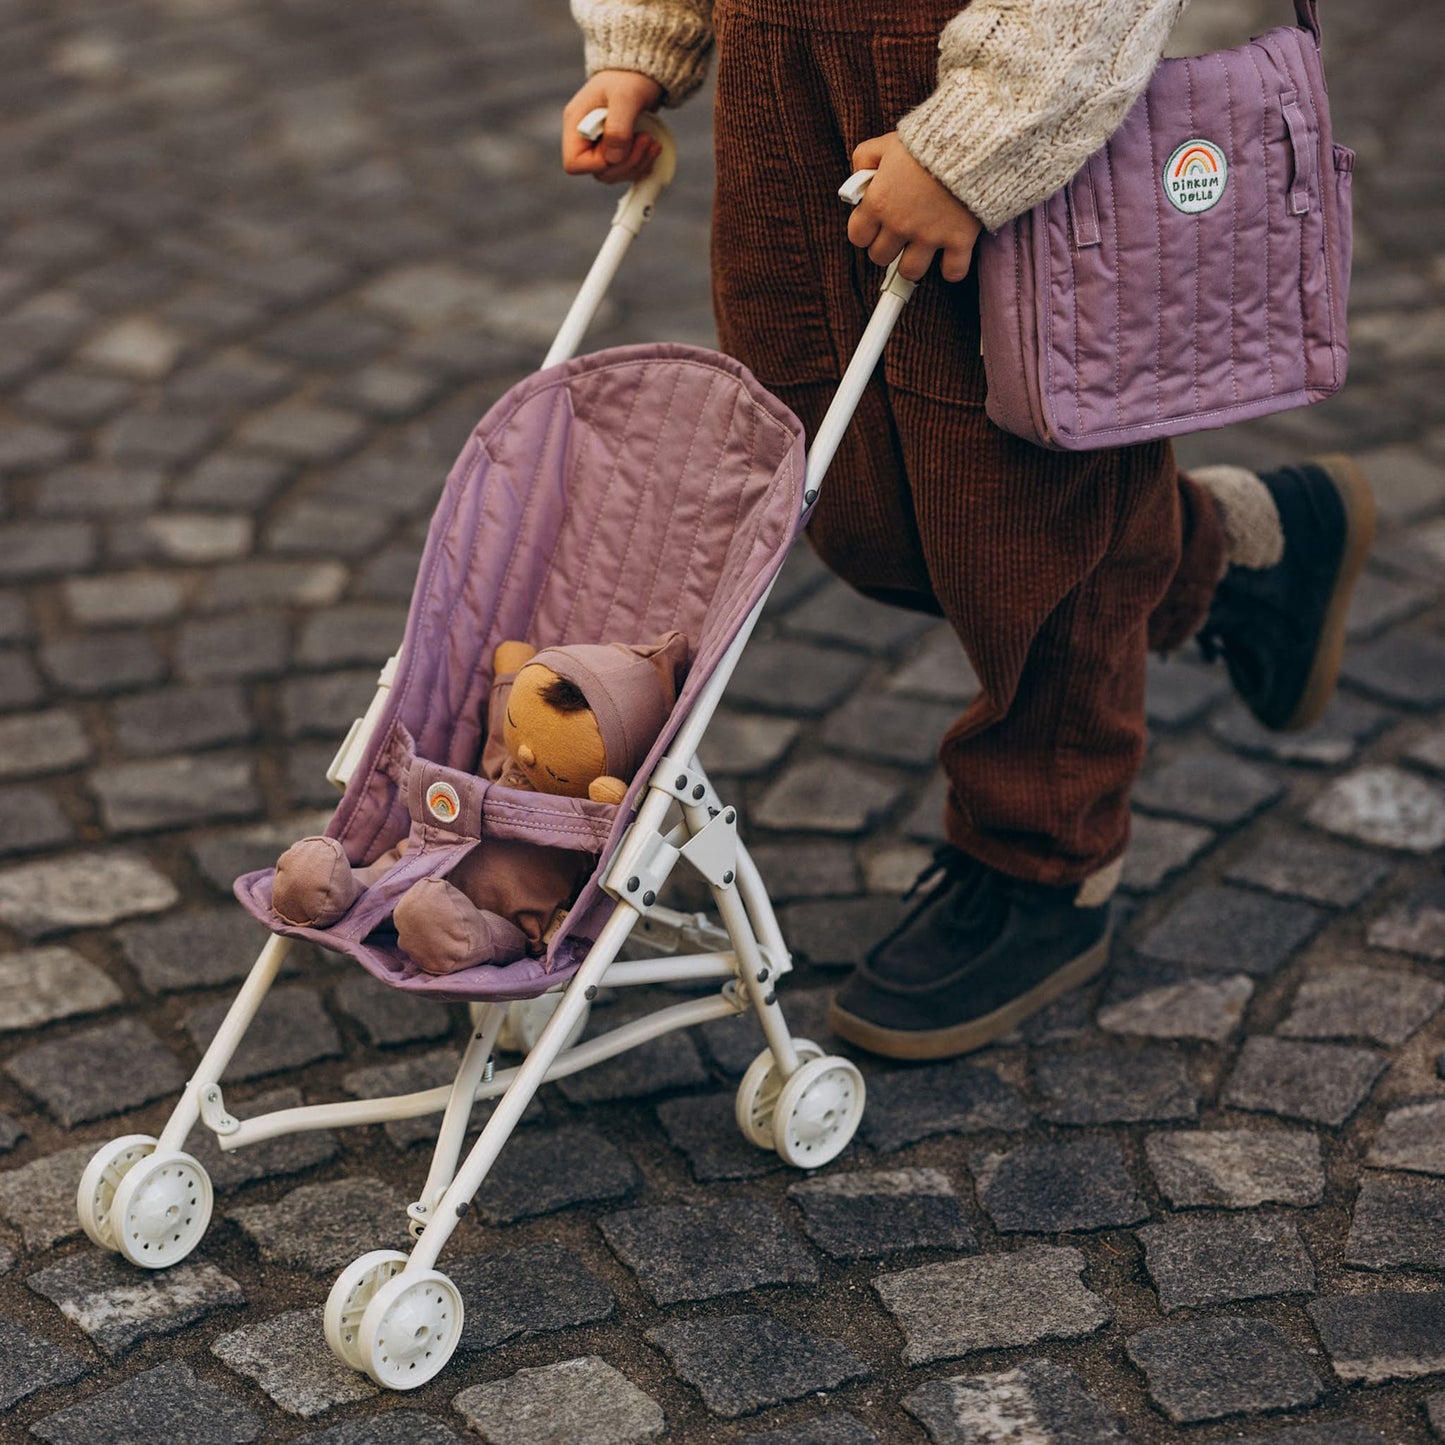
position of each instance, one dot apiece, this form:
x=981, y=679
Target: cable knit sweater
x=1027, y=89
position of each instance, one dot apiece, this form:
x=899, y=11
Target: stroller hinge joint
x=643, y=861
x=214, y=1114
x=713, y=849
x=684, y=782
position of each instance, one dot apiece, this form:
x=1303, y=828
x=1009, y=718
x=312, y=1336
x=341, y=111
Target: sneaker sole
x=1359, y=504
x=920, y=1044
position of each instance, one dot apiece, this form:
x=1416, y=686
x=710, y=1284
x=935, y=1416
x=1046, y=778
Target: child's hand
x=906, y=210
x=623, y=153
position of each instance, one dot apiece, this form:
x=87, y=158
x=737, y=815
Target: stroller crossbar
x=545, y=476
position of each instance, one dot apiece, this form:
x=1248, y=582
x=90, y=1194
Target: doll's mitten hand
x=907, y=211
x=607, y=790
x=624, y=153
x=314, y=883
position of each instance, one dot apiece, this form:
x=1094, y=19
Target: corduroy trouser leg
x=1057, y=570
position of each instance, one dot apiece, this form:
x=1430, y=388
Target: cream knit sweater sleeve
x=1027, y=89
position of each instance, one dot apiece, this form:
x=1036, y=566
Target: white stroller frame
x=396, y=1316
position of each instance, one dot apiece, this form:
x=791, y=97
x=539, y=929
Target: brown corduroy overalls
x=1058, y=570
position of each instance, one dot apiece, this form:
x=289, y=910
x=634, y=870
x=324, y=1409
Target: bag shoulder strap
x=1308, y=14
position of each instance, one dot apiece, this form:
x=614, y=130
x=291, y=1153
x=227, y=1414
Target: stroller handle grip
x=641, y=195
x=852, y=189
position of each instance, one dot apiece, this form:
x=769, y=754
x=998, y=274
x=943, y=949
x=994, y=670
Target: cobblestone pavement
x=262, y=265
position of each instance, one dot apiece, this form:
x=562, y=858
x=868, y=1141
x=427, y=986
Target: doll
x=574, y=721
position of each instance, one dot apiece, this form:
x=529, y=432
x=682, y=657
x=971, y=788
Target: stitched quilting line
x=1198, y=257
x=1234, y=243
x=1118, y=271
x=1158, y=269
x=1074, y=262
x=708, y=495
x=1268, y=224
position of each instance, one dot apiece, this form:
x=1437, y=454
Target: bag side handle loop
x=1307, y=12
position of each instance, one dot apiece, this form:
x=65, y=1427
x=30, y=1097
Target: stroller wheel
x=161, y=1209
x=108, y=1166
x=758, y=1093
x=354, y=1289
x=410, y=1329
x=527, y=1017
x=817, y=1112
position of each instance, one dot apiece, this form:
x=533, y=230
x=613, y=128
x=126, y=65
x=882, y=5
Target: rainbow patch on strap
x=1195, y=176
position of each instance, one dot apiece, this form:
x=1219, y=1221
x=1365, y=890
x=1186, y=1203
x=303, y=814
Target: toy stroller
x=674, y=459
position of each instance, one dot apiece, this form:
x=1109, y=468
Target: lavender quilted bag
x=1193, y=273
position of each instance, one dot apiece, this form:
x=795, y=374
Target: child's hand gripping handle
x=851, y=192
x=635, y=208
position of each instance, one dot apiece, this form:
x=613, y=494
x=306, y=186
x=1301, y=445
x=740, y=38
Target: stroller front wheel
x=410, y=1329
x=161, y=1209
x=355, y=1288
x=818, y=1112
x=96, y=1195
x=758, y=1093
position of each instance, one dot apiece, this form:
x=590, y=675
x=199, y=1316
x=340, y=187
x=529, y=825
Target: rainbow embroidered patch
x=443, y=803
x=1195, y=176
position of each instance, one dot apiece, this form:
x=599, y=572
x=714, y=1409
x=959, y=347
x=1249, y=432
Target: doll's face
x=560, y=752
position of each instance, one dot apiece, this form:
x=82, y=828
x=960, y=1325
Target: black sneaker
x=978, y=955
x=1281, y=629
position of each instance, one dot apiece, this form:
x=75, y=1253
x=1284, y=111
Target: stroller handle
x=633, y=212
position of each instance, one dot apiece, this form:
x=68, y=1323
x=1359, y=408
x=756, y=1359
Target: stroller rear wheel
x=818, y=1111
x=758, y=1093
x=108, y=1166
x=410, y=1329
x=161, y=1209
x=355, y=1288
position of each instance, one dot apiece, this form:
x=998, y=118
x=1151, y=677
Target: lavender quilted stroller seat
x=614, y=498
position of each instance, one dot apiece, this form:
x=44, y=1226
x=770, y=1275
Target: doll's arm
x=1026, y=93
x=607, y=790
x=667, y=40
x=511, y=657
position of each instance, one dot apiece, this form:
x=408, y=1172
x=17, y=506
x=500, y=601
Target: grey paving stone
x=938, y=669
x=704, y=1127
x=279, y=582
x=1210, y=1261
x=794, y=678
x=302, y=432
x=1416, y=924
x=118, y=1305
x=46, y=549
x=234, y=647
x=16, y=622
x=1206, y=788
x=102, y=663
x=290, y=1030
x=169, y=1403
x=1385, y=807
x=835, y=1427
x=1411, y=1137
x=388, y=1016
x=1379, y=602
x=1049, y=1187
x=1383, y=1006
x=1036, y=1401
x=1192, y=1008
x=29, y=1363
x=223, y=856
x=1158, y=849
x=76, y=398
x=925, y=823
x=992, y=1302
x=813, y=869
x=669, y=1062
x=583, y=1401
x=1321, y=1083
x=324, y=705
x=1403, y=668
x=82, y=891
x=1226, y=930
x=393, y=1427
x=270, y=1159
x=744, y=744
x=354, y=632
x=740, y=1364
x=1312, y=869
x=38, y=1198
x=123, y=599
x=826, y=795
x=869, y=1215
x=1398, y=1224
x=347, y=530
x=1213, y=1368
x=198, y=539
x=1347, y=724
x=230, y=479
x=1116, y=1086
x=892, y=731
x=281, y=1355
x=322, y=1227
x=907, y=1105
x=66, y=1075
x=30, y=446
x=1383, y=1335
x=527, y=1290
x=1237, y=1168
x=159, y=437
x=40, y=985
x=175, y=792
x=838, y=931
x=20, y=685
x=1332, y=1432
x=90, y=490
x=30, y=821
x=199, y=948
x=386, y=390
x=1435, y=1412
x=11, y=1133
x=135, y=346
x=1426, y=750
x=542, y=1171
x=231, y=379
x=181, y=719
x=835, y=613
x=700, y=1251
x=1179, y=692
